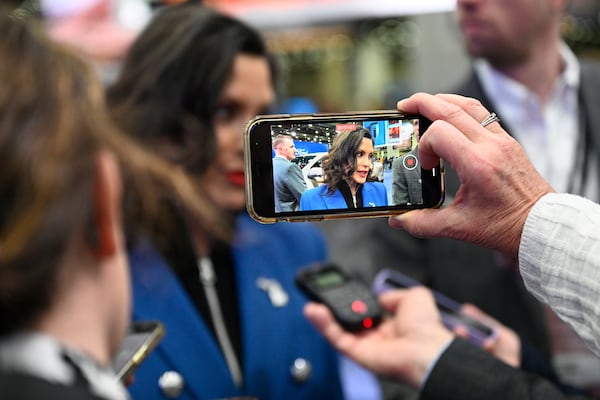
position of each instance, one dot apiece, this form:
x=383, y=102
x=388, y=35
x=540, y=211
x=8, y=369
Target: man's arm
x=413, y=346
x=465, y=372
x=559, y=259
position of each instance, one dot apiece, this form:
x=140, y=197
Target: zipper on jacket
x=209, y=279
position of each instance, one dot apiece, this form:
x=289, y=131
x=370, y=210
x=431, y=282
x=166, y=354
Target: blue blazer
x=272, y=337
x=374, y=194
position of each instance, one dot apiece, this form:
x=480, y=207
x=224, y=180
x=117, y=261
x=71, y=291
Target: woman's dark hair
x=173, y=75
x=53, y=123
x=340, y=162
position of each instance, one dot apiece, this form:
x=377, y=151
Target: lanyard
x=208, y=279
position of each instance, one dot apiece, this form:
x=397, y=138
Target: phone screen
x=364, y=164
x=328, y=279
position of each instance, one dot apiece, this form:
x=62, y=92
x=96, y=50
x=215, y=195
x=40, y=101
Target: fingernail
x=397, y=221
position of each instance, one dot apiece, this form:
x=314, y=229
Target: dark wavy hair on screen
x=340, y=163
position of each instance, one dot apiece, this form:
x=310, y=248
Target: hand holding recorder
x=406, y=344
x=402, y=346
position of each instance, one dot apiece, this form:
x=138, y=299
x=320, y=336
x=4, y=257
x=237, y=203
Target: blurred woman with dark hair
x=231, y=309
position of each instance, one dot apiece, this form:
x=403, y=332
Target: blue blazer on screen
x=273, y=337
x=374, y=194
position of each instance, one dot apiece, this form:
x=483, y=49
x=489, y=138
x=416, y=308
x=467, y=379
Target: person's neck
x=78, y=317
x=539, y=71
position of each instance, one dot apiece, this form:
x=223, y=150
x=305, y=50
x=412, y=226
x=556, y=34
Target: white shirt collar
x=572, y=72
x=42, y=356
x=502, y=89
x=548, y=132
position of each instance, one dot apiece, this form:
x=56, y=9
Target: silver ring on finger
x=490, y=119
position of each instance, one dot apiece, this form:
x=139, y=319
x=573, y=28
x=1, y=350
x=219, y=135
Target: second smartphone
x=330, y=151
x=450, y=311
x=141, y=339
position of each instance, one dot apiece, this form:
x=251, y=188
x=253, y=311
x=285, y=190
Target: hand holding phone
x=347, y=165
x=351, y=302
x=452, y=317
x=142, y=338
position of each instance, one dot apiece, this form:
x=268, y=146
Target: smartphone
x=395, y=137
x=141, y=339
x=449, y=309
x=351, y=302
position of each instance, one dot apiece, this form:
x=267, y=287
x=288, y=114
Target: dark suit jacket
x=406, y=179
x=289, y=184
x=16, y=386
x=589, y=100
x=465, y=372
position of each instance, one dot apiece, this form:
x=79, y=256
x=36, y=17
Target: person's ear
x=107, y=203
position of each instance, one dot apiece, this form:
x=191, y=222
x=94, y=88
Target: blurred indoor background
x=343, y=55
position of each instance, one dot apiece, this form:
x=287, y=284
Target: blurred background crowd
x=339, y=54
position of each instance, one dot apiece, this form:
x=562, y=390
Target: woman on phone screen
x=347, y=169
